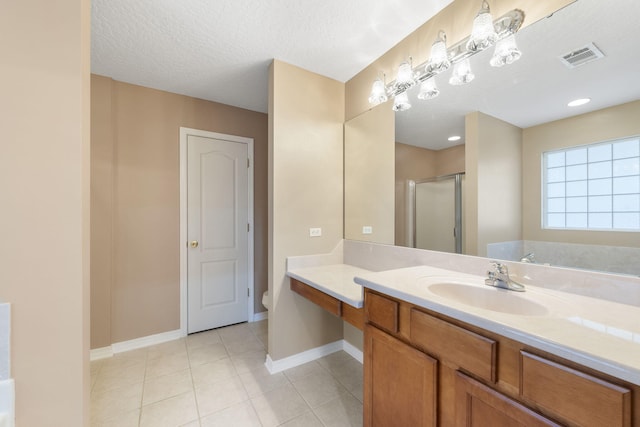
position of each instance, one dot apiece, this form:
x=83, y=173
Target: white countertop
x=596, y=333
x=335, y=280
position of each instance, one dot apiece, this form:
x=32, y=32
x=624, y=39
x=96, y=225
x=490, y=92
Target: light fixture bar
x=505, y=26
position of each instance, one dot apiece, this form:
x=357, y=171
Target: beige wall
x=353, y=336
x=417, y=163
x=102, y=168
x=44, y=183
x=369, y=175
x=492, y=199
x=456, y=20
x=450, y=160
x=135, y=203
x=306, y=116
x=610, y=123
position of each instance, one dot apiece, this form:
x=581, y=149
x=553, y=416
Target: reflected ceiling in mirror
x=537, y=88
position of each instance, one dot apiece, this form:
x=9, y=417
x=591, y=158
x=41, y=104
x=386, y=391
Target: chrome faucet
x=530, y=257
x=499, y=278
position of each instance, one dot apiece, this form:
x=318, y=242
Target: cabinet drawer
x=449, y=343
x=329, y=303
x=479, y=405
x=573, y=396
x=382, y=312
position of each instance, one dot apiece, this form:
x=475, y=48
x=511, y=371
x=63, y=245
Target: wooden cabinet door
x=478, y=405
x=400, y=383
x=573, y=396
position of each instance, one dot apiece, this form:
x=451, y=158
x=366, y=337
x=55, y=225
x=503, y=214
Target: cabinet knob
x=194, y=244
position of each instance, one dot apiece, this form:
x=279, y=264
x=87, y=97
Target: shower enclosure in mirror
x=434, y=213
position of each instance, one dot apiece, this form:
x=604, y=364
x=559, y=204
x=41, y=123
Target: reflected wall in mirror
x=529, y=100
x=615, y=251
x=368, y=180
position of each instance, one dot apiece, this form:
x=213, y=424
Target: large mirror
x=527, y=103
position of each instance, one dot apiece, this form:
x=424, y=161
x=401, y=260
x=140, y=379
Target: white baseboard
x=147, y=341
x=100, y=353
x=264, y=315
x=119, y=347
x=275, y=366
x=353, y=351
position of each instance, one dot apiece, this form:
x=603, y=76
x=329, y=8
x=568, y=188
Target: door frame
x=184, y=133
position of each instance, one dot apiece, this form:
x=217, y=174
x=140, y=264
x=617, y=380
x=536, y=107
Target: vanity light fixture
x=483, y=33
x=579, y=102
x=401, y=102
x=428, y=89
x=406, y=78
x=462, y=73
x=454, y=138
x=441, y=58
x=506, y=52
x=378, y=93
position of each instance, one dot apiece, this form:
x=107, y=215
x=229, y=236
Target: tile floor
x=218, y=378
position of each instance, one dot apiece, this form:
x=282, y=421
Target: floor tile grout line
x=144, y=384
x=235, y=376
x=249, y=398
x=193, y=383
x=255, y=411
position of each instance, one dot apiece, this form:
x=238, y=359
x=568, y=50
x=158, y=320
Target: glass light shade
x=378, y=93
x=439, y=59
x=506, y=52
x=461, y=73
x=401, y=102
x=483, y=34
x=405, y=78
x=428, y=89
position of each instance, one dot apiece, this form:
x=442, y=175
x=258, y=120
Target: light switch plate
x=315, y=232
x=367, y=229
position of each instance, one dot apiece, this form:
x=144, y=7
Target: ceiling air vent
x=581, y=56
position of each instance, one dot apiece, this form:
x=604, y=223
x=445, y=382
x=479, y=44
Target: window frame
x=588, y=182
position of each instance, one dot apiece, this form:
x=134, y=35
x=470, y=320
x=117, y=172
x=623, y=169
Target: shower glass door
x=435, y=213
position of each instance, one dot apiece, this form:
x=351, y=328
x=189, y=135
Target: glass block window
x=592, y=187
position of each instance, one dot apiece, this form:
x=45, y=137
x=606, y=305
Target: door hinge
x=248, y=162
x=248, y=292
x=248, y=227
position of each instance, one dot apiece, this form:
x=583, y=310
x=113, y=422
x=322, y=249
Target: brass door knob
x=194, y=244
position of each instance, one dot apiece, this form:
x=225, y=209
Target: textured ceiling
x=220, y=50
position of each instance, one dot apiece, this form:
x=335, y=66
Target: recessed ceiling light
x=578, y=102
x=454, y=138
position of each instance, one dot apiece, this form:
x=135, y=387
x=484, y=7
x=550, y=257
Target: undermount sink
x=488, y=298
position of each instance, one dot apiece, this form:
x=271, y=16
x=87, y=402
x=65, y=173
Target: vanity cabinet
x=400, y=382
x=424, y=369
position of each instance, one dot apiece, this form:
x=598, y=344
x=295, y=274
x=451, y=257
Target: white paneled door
x=217, y=232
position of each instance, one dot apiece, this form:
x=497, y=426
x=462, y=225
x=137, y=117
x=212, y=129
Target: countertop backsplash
x=612, y=287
